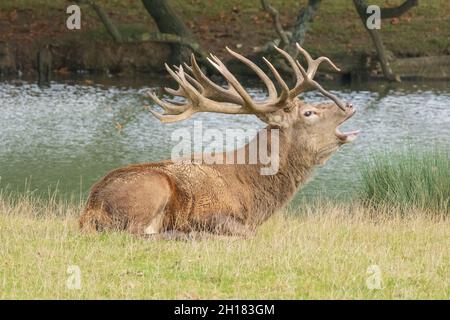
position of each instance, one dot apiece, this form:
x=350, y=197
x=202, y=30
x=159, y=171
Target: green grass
x=325, y=250
x=407, y=179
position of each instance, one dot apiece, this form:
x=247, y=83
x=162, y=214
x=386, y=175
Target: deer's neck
x=295, y=164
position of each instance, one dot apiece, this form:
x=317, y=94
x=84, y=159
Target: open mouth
x=348, y=136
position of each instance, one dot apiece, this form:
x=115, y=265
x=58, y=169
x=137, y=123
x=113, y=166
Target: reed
x=408, y=179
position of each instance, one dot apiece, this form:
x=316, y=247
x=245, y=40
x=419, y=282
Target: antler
x=203, y=95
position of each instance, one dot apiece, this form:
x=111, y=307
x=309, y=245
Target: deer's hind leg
x=139, y=200
x=156, y=224
x=149, y=197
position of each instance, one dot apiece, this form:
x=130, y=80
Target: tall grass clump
x=408, y=179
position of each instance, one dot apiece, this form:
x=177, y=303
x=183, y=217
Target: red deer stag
x=170, y=198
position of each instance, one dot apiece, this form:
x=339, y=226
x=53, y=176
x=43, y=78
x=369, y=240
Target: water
x=67, y=136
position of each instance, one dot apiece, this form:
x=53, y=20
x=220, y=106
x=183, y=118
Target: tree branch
x=387, y=13
x=361, y=8
x=305, y=17
x=169, y=22
x=276, y=21
x=171, y=38
x=104, y=18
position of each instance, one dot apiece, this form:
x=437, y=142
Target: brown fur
x=217, y=198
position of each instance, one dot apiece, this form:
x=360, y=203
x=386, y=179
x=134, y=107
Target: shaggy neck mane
x=296, y=162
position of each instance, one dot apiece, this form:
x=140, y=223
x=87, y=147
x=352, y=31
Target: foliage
x=408, y=179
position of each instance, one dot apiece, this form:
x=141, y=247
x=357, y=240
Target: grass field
x=325, y=250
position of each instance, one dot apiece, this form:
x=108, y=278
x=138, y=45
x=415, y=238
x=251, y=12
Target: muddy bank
x=130, y=59
x=76, y=57
x=433, y=68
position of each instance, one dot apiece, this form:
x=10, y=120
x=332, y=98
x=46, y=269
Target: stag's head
x=313, y=125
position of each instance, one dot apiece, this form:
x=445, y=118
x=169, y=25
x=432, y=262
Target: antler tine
x=305, y=78
x=191, y=79
x=196, y=101
x=178, y=92
x=272, y=91
x=284, y=87
x=312, y=83
x=188, y=67
x=212, y=90
x=314, y=64
x=293, y=64
x=173, y=117
x=181, y=91
x=168, y=107
x=220, y=66
x=249, y=104
x=191, y=92
x=174, y=112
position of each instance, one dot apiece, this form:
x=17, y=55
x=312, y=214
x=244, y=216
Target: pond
x=70, y=134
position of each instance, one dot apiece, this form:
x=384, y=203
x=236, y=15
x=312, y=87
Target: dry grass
x=322, y=252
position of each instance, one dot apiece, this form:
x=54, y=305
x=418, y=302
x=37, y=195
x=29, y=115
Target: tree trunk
x=387, y=13
x=109, y=25
x=276, y=22
x=104, y=18
x=169, y=22
x=44, y=66
x=305, y=17
x=361, y=8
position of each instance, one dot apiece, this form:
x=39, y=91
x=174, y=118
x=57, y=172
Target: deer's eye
x=307, y=113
